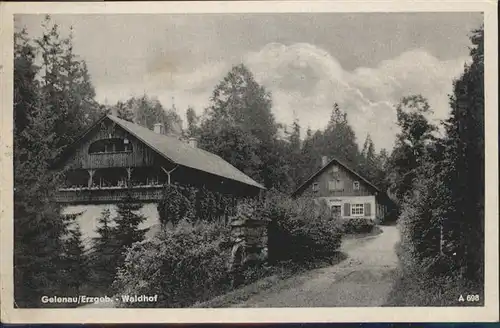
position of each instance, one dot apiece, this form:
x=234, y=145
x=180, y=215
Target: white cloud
x=305, y=81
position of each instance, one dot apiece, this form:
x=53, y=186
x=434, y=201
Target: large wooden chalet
x=114, y=156
x=346, y=192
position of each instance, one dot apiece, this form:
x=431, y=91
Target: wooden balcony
x=104, y=195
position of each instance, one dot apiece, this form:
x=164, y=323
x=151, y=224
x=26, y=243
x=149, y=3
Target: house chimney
x=193, y=142
x=324, y=161
x=158, y=128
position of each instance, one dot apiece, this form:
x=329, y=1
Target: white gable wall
x=88, y=220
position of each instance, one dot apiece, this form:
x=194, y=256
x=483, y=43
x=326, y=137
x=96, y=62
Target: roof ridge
x=334, y=159
x=181, y=149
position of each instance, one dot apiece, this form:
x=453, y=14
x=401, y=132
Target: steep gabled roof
x=324, y=168
x=182, y=153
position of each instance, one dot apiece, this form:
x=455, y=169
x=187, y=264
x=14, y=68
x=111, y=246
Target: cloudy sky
x=365, y=62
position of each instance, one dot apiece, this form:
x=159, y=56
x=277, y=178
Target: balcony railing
x=80, y=188
x=110, y=194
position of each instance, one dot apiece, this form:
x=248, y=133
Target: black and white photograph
x=298, y=159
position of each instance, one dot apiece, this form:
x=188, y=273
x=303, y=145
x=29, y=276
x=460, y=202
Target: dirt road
x=364, y=279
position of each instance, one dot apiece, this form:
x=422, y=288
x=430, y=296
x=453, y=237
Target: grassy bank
x=275, y=277
x=415, y=287
x=418, y=290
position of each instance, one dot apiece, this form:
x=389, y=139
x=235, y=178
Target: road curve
x=364, y=279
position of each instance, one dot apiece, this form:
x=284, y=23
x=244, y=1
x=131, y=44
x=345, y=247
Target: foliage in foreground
x=188, y=263
x=53, y=102
x=180, y=202
x=300, y=228
x=182, y=265
x=419, y=288
x=442, y=194
x=358, y=225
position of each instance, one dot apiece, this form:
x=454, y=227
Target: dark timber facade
x=346, y=192
x=115, y=156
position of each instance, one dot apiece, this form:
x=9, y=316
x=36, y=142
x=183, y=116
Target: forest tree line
x=54, y=102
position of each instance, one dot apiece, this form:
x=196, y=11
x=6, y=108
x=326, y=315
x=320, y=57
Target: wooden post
x=91, y=176
x=129, y=175
x=168, y=173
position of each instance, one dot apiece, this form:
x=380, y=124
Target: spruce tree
x=127, y=229
x=192, y=122
x=67, y=92
x=295, y=159
x=38, y=225
x=463, y=165
x=123, y=112
x=76, y=262
x=147, y=111
x=340, y=139
x=44, y=124
x=368, y=163
x=105, y=254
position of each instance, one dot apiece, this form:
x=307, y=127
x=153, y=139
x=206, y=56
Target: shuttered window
x=368, y=209
x=347, y=209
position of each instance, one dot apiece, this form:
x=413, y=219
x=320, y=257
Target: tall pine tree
x=38, y=225
x=127, y=229
x=45, y=121
x=105, y=254
x=463, y=165
x=340, y=139
x=76, y=264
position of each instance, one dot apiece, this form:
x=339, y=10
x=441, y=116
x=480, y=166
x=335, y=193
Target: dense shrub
x=193, y=204
x=300, y=229
x=431, y=274
x=182, y=265
x=415, y=286
x=188, y=262
x=442, y=216
x=358, y=225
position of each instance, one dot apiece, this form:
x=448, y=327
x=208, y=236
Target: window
x=335, y=168
x=335, y=185
x=357, y=209
x=355, y=185
x=336, y=210
x=113, y=145
x=315, y=186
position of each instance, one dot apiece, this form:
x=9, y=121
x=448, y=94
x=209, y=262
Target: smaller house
x=346, y=192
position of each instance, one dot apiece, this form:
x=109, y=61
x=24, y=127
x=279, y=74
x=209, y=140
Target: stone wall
x=249, y=237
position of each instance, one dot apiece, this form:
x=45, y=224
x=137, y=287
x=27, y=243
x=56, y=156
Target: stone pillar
x=249, y=237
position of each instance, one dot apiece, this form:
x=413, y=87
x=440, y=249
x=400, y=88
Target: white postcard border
x=383, y=314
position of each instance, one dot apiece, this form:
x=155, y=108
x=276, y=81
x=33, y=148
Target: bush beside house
x=181, y=265
x=358, y=225
x=300, y=229
x=188, y=262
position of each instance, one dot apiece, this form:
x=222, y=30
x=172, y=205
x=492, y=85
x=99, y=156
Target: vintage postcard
x=185, y=162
